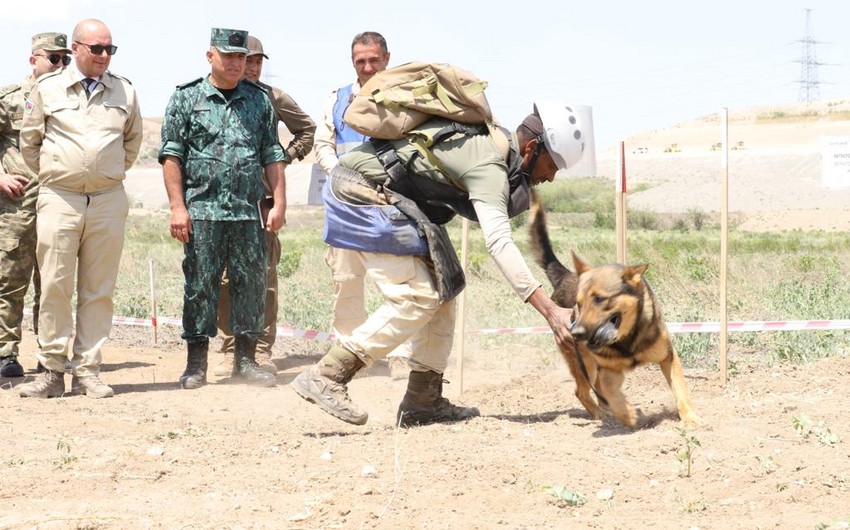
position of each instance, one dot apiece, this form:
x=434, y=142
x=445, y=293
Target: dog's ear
x=580, y=265
x=632, y=275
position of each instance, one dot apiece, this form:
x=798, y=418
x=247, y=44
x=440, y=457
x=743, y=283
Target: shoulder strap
x=190, y=83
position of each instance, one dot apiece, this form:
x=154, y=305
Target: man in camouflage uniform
x=19, y=187
x=219, y=141
x=302, y=128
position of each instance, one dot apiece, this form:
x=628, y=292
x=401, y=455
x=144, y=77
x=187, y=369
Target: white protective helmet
x=562, y=133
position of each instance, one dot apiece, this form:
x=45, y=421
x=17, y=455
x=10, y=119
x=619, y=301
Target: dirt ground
x=776, y=454
x=230, y=456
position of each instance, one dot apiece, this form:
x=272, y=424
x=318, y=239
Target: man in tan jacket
x=82, y=129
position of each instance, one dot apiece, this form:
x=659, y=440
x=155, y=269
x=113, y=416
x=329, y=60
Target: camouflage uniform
x=17, y=224
x=223, y=146
x=302, y=127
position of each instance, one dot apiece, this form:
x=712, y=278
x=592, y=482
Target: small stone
x=605, y=495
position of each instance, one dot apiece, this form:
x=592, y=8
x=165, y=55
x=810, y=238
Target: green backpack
x=399, y=99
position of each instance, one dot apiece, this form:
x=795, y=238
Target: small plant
x=767, y=464
x=63, y=445
x=685, y=454
x=477, y=264
x=837, y=525
x=806, y=427
x=565, y=496
x=694, y=506
x=698, y=218
x=290, y=260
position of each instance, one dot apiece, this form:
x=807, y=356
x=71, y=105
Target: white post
x=461, y=307
x=724, y=228
x=620, y=204
x=153, y=305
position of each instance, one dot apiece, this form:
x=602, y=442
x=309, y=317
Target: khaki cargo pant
x=80, y=237
x=411, y=311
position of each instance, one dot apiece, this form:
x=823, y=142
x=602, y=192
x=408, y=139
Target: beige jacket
x=77, y=143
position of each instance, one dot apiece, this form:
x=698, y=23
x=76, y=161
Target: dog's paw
x=692, y=421
x=599, y=414
x=627, y=416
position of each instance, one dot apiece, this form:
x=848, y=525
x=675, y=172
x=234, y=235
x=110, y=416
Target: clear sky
x=640, y=65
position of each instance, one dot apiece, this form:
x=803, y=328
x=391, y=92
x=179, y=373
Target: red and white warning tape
x=703, y=327
x=673, y=327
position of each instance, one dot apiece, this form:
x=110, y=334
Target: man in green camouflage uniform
x=18, y=194
x=302, y=128
x=219, y=141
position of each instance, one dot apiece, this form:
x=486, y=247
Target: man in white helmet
x=481, y=174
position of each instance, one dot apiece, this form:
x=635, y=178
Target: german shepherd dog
x=617, y=326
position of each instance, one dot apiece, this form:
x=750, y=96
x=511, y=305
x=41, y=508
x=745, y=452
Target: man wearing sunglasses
x=82, y=129
x=18, y=193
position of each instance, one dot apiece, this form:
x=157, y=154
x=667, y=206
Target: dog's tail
x=541, y=245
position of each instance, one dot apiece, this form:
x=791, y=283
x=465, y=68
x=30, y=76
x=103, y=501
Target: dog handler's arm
x=558, y=317
x=500, y=245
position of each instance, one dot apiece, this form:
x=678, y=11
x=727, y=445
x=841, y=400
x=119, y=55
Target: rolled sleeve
x=171, y=148
x=272, y=154
x=174, y=129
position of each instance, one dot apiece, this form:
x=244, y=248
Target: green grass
x=771, y=276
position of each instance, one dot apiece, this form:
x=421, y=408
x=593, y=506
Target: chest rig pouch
x=439, y=201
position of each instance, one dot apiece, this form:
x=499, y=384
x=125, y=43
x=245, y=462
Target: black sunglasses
x=98, y=49
x=55, y=58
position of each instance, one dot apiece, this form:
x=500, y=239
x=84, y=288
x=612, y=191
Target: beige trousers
x=348, y=270
x=411, y=311
x=80, y=237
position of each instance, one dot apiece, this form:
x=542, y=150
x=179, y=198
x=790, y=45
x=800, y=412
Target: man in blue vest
x=334, y=138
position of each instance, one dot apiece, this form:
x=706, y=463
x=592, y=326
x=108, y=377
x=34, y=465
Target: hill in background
x=774, y=165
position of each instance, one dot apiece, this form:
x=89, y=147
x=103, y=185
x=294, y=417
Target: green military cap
x=229, y=40
x=51, y=42
x=255, y=47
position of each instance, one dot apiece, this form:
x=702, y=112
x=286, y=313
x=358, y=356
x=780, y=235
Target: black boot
x=195, y=375
x=424, y=403
x=245, y=365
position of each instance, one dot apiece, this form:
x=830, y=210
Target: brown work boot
x=225, y=367
x=92, y=386
x=264, y=361
x=325, y=384
x=245, y=365
x=47, y=384
x=424, y=403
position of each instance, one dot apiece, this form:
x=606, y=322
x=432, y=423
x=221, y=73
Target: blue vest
x=346, y=137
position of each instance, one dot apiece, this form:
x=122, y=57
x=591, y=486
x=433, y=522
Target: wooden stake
x=153, y=305
x=620, y=204
x=461, y=308
x=724, y=228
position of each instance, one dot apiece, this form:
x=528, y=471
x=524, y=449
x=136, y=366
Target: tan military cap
x=255, y=47
x=51, y=42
